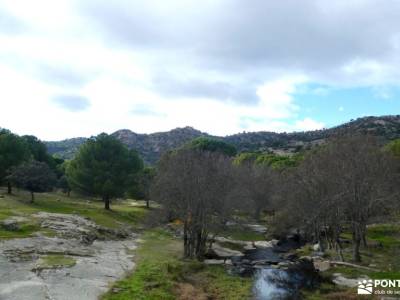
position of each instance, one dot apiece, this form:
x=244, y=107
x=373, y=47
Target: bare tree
x=255, y=186
x=194, y=185
x=344, y=183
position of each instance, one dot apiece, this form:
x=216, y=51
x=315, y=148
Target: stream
x=277, y=275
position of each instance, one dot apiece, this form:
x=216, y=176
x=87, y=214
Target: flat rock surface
x=339, y=279
x=97, y=265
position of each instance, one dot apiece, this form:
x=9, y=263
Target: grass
x=306, y=250
x=24, y=230
x=242, y=234
x=161, y=274
x=55, y=261
x=123, y=212
x=387, y=234
x=384, y=256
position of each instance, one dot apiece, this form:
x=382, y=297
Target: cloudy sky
x=77, y=68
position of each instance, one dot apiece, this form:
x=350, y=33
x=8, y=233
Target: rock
x=76, y=227
x=309, y=258
x=222, y=239
x=214, y=261
x=97, y=267
x=10, y=225
x=339, y=279
x=316, y=247
x=218, y=251
x=257, y=228
x=283, y=264
x=322, y=266
x=265, y=244
x=249, y=247
x=290, y=256
x=230, y=223
x=246, y=261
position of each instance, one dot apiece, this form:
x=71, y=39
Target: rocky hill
x=152, y=146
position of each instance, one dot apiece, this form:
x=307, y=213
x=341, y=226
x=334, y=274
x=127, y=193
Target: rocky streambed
x=277, y=272
x=79, y=262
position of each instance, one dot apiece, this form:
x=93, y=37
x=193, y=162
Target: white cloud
x=308, y=124
x=277, y=97
x=237, y=65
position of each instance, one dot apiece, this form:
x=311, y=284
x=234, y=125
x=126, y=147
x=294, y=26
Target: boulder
x=265, y=244
x=249, y=246
x=214, y=261
x=10, y=225
x=339, y=279
x=220, y=252
x=321, y=265
x=257, y=228
x=316, y=247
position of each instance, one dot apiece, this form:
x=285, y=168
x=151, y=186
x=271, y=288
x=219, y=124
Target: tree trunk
x=364, y=240
x=147, y=203
x=32, y=197
x=106, y=200
x=9, y=188
x=356, y=249
x=339, y=249
x=185, y=240
x=257, y=214
x=68, y=193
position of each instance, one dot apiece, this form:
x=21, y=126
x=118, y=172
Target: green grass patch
x=349, y=272
x=383, y=256
x=123, y=212
x=24, y=230
x=242, y=234
x=232, y=246
x=218, y=284
x=322, y=292
x=160, y=270
x=55, y=261
x=387, y=234
x=306, y=250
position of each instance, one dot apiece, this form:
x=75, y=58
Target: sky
x=72, y=68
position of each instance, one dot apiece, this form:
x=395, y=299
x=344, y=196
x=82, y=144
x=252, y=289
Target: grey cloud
x=61, y=75
x=251, y=42
x=73, y=103
x=167, y=85
x=306, y=34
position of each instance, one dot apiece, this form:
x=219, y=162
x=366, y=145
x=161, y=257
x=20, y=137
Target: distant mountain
x=152, y=146
x=65, y=149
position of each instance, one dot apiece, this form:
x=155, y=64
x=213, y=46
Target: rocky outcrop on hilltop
x=152, y=146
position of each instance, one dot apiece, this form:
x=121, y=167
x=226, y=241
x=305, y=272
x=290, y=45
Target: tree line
x=342, y=185
x=104, y=168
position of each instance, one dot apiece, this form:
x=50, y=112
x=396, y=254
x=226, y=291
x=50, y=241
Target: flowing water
x=267, y=286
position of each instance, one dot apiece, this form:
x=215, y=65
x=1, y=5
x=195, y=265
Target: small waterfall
x=268, y=284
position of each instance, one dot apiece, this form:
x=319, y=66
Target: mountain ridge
x=152, y=146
